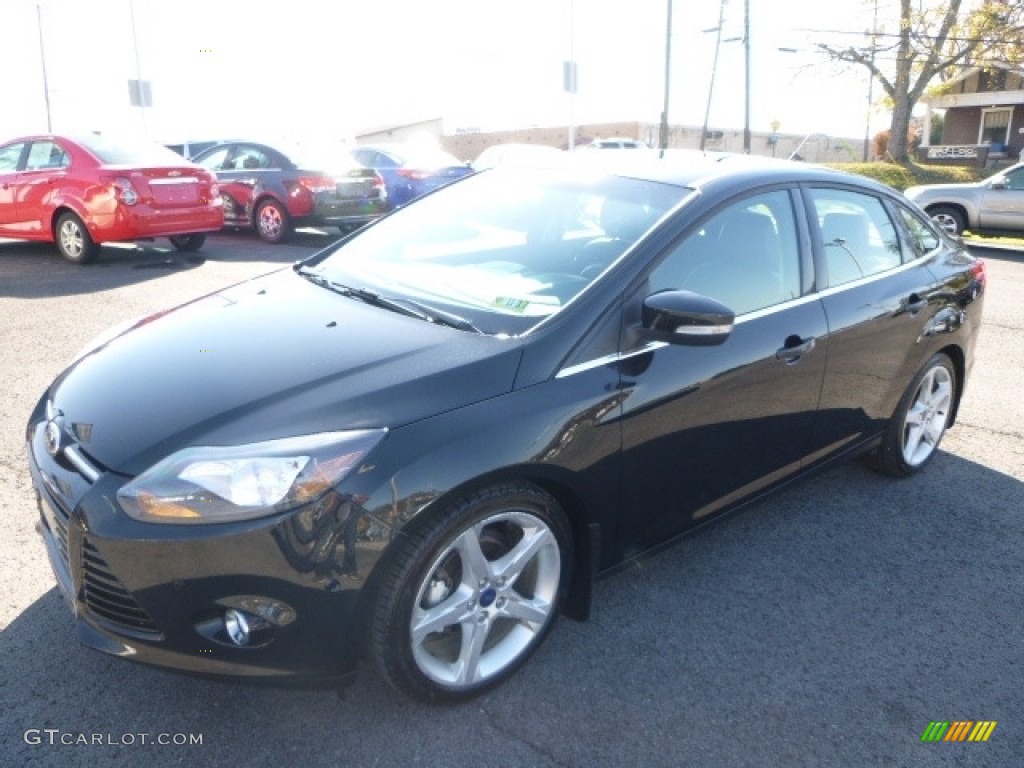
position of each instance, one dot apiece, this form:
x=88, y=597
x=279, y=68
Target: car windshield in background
x=507, y=248
x=128, y=152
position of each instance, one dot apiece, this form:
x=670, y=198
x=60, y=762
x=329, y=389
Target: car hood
x=932, y=190
x=272, y=357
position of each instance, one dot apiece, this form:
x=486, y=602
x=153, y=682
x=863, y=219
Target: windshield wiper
x=408, y=307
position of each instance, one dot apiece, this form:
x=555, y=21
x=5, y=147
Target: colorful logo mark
x=959, y=730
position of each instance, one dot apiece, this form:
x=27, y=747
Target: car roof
x=697, y=170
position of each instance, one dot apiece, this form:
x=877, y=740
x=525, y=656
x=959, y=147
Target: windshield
x=505, y=248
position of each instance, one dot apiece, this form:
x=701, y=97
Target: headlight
x=225, y=484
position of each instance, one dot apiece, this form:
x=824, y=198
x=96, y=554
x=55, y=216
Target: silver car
x=992, y=206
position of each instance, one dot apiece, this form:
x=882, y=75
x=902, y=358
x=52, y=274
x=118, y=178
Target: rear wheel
x=949, y=218
x=921, y=419
x=272, y=222
x=471, y=594
x=74, y=241
x=188, y=242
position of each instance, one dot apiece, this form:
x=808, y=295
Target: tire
x=189, y=242
x=272, y=222
x=921, y=419
x=949, y=218
x=453, y=617
x=74, y=241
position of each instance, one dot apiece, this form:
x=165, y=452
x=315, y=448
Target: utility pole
x=746, y=77
x=714, y=68
x=871, y=83
x=663, y=133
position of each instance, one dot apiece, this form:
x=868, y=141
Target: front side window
x=745, y=256
x=1015, y=178
x=9, y=157
x=858, y=236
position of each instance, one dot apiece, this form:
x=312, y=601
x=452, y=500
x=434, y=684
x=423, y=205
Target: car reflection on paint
x=419, y=446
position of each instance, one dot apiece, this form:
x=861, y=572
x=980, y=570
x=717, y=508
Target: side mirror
x=998, y=183
x=684, y=317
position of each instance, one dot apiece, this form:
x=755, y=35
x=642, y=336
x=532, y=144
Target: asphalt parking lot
x=827, y=626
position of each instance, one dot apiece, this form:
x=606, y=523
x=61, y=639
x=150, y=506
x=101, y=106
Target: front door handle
x=915, y=304
x=794, y=348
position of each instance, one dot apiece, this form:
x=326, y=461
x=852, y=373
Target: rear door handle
x=794, y=348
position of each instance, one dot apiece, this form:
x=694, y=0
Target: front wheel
x=74, y=241
x=921, y=419
x=471, y=594
x=949, y=218
x=273, y=224
x=191, y=242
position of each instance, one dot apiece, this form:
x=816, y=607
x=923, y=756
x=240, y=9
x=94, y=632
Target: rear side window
x=859, y=239
x=923, y=239
x=45, y=155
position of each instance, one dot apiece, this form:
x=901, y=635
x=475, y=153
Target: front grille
x=107, y=597
x=60, y=520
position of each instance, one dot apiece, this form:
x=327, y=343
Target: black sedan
x=265, y=189
x=421, y=445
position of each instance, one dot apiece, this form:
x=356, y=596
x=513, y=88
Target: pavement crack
x=497, y=724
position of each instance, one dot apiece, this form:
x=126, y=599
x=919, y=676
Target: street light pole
x=138, y=71
x=42, y=55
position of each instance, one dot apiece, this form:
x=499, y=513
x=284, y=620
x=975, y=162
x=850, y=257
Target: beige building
x=467, y=145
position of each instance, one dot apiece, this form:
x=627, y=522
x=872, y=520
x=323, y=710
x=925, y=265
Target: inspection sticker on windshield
x=509, y=303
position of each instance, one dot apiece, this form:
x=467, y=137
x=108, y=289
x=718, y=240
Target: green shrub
x=900, y=176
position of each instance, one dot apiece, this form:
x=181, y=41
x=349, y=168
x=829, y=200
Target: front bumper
x=158, y=594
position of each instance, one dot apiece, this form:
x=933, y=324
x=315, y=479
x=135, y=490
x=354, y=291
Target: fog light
x=237, y=627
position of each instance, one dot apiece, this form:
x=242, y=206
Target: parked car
x=410, y=170
x=993, y=206
x=518, y=155
x=264, y=188
x=615, y=143
x=82, y=191
x=420, y=444
x=190, y=149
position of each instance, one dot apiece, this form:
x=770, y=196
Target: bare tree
x=935, y=40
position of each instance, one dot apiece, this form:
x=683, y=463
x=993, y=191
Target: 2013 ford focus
x=421, y=445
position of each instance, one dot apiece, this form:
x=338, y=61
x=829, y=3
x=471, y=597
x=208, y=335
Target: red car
x=83, y=191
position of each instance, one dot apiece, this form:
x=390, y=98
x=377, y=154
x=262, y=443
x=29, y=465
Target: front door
x=10, y=157
x=709, y=426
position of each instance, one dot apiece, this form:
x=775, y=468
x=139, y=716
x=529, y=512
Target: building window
x=991, y=80
x=995, y=126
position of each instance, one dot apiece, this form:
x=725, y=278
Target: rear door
x=878, y=300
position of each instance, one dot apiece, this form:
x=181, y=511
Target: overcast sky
x=328, y=68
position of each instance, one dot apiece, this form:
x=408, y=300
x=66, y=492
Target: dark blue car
x=409, y=170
